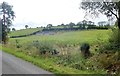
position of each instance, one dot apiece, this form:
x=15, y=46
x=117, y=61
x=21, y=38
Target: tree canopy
x=26, y=26
x=49, y=25
x=110, y=9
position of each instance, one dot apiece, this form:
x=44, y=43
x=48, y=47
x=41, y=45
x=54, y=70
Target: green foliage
x=85, y=50
x=103, y=7
x=101, y=43
x=114, y=41
x=107, y=8
x=43, y=47
x=17, y=44
x=109, y=61
x=6, y=22
x=13, y=29
x=49, y=26
x=26, y=26
x=47, y=63
x=71, y=25
x=62, y=42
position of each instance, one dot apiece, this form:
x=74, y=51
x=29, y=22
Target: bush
x=65, y=60
x=17, y=44
x=114, y=41
x=43, y=47
x=110, y=62
x=85, y=50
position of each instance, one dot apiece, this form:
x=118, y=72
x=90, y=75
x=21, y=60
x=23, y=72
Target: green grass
x=48, y=63
x=71, y=38
x=24, y=31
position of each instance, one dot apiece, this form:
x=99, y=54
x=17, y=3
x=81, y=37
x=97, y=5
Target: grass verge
x=47, y=63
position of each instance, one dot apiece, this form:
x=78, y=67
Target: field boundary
x=25, y=35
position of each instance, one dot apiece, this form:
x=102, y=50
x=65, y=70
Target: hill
x=24, y=31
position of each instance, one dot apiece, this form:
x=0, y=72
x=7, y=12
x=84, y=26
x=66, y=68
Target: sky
x=37, y=13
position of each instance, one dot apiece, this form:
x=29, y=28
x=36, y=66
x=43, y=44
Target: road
x=14, y=65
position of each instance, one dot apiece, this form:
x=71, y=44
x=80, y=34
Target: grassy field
x=69, y=42
x=24, y=31
x=73, y=37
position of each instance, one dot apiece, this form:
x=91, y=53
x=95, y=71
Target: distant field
x=23, y=31
x=57, y=27
x=73, y=37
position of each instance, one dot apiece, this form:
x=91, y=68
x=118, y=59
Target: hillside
x=24, y=31
x=60, y=52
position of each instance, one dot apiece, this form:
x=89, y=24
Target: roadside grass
x=0, y=46
x=48, y=63
x=23, y=31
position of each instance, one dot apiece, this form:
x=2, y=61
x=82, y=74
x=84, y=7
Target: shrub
x=85, y=50
x=110, y=62
x=43, y=47
x=65, y=60
x=78, y=66
x=17, y=44
x=113, y=42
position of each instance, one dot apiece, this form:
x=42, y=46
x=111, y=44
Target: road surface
x=14, y=65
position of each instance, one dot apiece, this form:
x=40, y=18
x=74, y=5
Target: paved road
x=13, y=65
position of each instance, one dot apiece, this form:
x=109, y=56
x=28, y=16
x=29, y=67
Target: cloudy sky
x=38, y=13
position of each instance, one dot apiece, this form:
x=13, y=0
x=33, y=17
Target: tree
x=71, y=25
x=8, y=30
x=102, y=23
x=26, y=26
x=110, y=9
x=49, y=26
x=13, y=29
x=80, y=25
x=62, y=24
x=66, y=26
x=84, y=23
x=6, y=21
x=90, y=23
x=107, y=25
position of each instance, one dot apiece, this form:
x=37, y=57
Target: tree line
x=79, y=26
